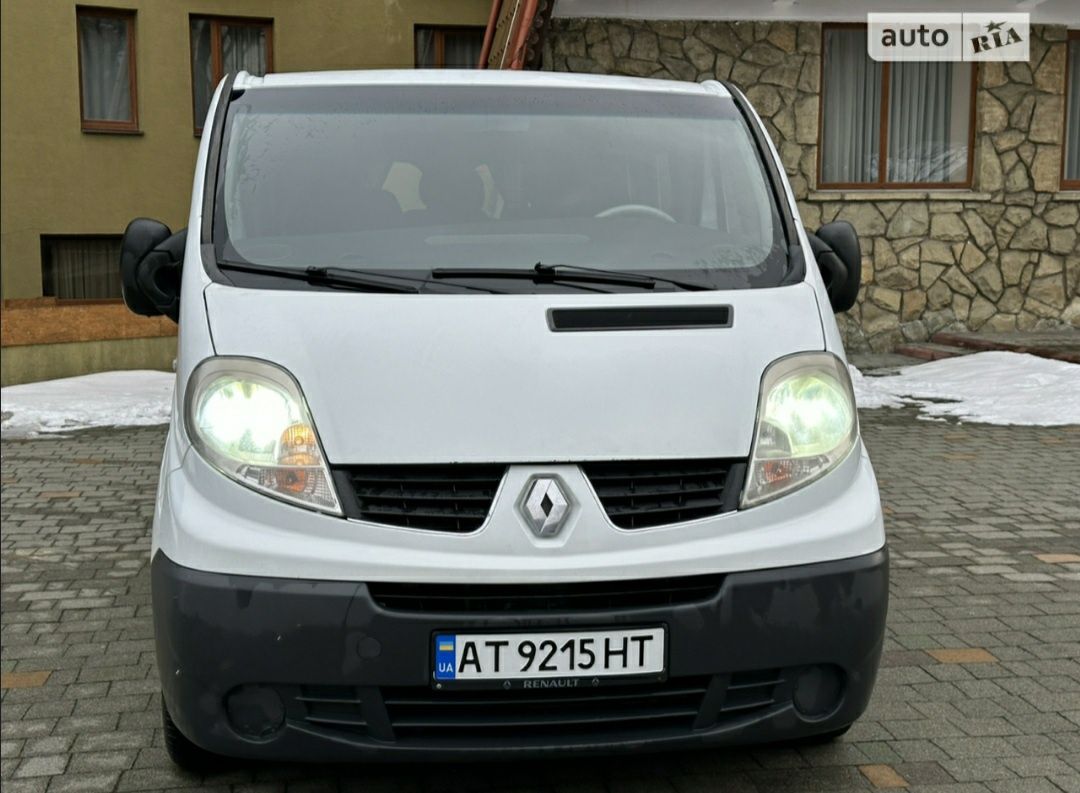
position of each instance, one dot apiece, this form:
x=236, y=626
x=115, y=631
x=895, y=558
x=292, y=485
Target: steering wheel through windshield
x=635, y=209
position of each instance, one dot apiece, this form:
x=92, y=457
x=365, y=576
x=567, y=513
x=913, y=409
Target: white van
x=511, y=414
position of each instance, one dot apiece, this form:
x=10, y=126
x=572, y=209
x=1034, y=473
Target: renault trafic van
x=510, y=415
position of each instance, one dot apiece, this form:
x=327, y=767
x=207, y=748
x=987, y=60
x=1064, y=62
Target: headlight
x=806, y=424
x=249, y=420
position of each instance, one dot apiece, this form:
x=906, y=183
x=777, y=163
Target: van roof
x=470, y=77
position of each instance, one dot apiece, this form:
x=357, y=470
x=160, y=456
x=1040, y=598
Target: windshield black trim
x=209, y=196
x=796, y=258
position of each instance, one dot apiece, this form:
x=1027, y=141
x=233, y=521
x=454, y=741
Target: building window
x=81, y=267
x=107, y=96
x=448, y=47
x=919, y=114
x=221, y=46
x=1070, y=176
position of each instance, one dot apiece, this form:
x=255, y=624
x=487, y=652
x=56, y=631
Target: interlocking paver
x=83, y=783
x=883, y=776
x=44, y=765
x=979, y=690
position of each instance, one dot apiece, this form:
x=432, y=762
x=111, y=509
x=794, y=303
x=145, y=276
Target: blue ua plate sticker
x=445, y=658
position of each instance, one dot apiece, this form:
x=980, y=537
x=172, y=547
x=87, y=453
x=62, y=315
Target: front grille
x=457, y=497
x=642, y=493
x=525, y=598
x=451, y=498
x=422, y=714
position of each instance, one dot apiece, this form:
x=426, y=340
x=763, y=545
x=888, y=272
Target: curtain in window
x=243, y=48
x=202, y=68
x=425, y=48
x=86, y=268
x=103, y=50
x=1072, y=123
x=851, y=123
x=461, y=49
x=920, y=123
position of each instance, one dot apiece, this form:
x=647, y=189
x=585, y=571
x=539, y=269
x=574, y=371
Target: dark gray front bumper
x=354, y=677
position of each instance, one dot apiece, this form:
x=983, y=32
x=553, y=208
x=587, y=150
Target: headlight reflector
x=249, y=420
x=806, y=424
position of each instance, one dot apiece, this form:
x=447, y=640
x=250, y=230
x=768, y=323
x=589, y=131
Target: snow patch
x=872, y=392
x=132, y=398
x=985, y=387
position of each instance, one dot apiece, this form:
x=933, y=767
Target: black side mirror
x=151, y=258
x=836, y=250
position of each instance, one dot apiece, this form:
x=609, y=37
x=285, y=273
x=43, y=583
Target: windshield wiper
x=321, y=276
x=549, y=273
x=341, y=277
x=690, y=286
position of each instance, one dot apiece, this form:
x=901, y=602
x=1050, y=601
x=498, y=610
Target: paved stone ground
x=979, y=690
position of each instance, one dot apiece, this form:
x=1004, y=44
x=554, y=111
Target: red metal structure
x=514, y=34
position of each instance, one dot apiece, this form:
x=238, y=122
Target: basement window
x=81, y=267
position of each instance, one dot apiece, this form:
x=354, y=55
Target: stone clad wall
x=1002, y=255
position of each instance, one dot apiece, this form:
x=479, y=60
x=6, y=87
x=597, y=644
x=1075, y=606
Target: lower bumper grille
x=420, y=715
x=425, y=714
x=749, y=691
x=339, y=708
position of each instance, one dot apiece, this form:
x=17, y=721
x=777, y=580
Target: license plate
x=561, y=654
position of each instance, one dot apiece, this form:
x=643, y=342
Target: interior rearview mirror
x=836, y=250
x=151, y=258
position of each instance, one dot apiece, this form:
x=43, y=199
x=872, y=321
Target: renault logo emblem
x=545, y=505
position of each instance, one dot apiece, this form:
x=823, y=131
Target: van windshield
x=409, y=179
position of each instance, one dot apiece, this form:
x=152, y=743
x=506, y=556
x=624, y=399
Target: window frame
x=45, y=239
x=102, y=125
x=1067, y=184
x=882, y=183
x=216, y=70
x=439, y=32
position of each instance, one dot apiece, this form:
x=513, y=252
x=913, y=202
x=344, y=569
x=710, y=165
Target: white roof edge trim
x=471, y=77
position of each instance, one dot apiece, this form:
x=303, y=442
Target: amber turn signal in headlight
x=249, y=420
x=806, y=424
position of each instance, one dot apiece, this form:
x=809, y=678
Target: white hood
x=405, y=378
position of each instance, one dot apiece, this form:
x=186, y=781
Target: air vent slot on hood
x=643, y=318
